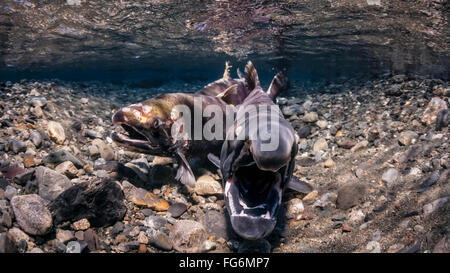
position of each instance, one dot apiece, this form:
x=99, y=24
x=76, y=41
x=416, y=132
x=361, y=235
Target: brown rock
x=346, y=143
x=349, y=195
x=82, y=224
x=141, y=197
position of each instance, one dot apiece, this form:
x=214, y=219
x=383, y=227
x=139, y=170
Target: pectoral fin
x=184, y=172
x=214, y=160
x=299, y=185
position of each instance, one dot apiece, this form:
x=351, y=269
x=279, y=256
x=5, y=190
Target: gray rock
x=390, y=176
x=304, y=132
x=326, y=200
x=155, y=222
x=51, y=183
x=17, y=146
x=187, y=236
x=215, y=223
x=92, y=134
x=36, y=138
x=161, y=241
x=62, y=156
x=10, y=192
x=31, y=214
x=433, y=206
x=177, y=209
x=408, y=137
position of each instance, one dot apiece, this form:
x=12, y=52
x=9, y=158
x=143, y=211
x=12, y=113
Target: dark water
x=152, y=42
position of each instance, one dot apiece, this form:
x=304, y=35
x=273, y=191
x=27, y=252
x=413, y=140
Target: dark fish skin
x=254, y=179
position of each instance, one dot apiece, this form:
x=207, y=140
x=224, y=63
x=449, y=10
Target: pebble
x=163, y=242
x=434, y=106
x=62, y=156
x=442, y=119
x=56, y=132
x=10, y=192
x=373, y=247
x=31, y=214
x=141, y=197
x=433, y=206
x=310, y=117
x=304, y=132
x=326, y=200
x=294, y=207
x=81, y=224
x=350, y=195
x=207, y=185
x=346, y=143
x=215, y=223
x=64, y=235
x=310, y=197
x=407, y=137
x=320, y=145
x=68, y=169
x=359, y=146
x=177, y=209
x=329, y=163
x=389, y=176
x=187, y=236
x=322, y=124
x=51, y=183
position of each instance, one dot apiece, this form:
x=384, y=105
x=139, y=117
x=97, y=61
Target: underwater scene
x=220, y=126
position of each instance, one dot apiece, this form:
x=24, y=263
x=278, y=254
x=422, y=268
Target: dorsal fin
x=277, y=86
x=251, y=76
x=226, y=73
x=234, y=94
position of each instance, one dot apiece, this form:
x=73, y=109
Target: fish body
x=253, y=177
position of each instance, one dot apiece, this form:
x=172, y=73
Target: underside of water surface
x=153, y=42
x=87, y=163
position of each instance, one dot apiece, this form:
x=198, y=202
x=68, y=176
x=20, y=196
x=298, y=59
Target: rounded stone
x=31, y=213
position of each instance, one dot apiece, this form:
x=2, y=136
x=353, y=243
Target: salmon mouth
x=132, y=139
x=253, y=197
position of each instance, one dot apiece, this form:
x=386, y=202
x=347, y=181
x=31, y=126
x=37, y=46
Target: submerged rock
x=56, y=132
x=62, y=156
x=31, y=214
x=100, y=202
x=431, y=112
x=51, y=183
x=187, y=236
x=141, y=197
x=206, y=185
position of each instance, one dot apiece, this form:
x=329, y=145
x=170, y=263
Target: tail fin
x=251, y=76
x=278, y=85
